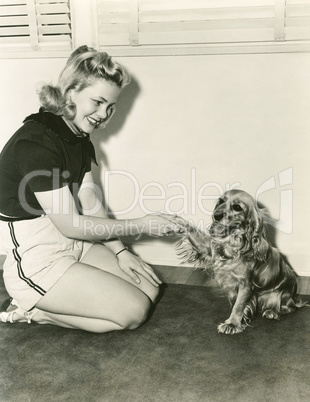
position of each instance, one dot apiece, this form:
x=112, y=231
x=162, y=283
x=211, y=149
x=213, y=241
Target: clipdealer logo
x=191, y=197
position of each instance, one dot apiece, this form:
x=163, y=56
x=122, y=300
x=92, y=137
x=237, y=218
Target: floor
x=176, y=356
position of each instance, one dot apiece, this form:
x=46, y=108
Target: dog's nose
x=219, y=216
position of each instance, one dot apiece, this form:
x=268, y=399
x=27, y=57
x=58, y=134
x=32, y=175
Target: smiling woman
x=95, y=105
x=56, y=271
x=93, y=80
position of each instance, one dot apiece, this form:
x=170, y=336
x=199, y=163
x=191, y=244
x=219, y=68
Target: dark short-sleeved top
x=44, y=154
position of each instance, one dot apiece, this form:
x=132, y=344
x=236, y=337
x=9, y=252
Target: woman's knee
x=135, y=312
x=132, y=317
x=151, y=291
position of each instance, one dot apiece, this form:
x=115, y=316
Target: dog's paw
x=230, y=329
x=271, y=314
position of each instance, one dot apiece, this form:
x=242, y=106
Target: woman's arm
x=92, y=205
x=60, y=206
x=128, y=262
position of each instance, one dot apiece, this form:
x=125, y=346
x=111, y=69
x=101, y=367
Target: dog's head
x=238, y=225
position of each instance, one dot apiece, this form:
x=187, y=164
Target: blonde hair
x=84, y=66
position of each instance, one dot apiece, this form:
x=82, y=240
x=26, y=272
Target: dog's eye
x=237, y=208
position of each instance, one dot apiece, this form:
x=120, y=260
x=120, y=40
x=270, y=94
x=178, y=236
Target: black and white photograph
x=154, y=218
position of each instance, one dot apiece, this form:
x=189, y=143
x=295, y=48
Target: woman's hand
x=159, y=225
x=131, y=265
x=179, y=222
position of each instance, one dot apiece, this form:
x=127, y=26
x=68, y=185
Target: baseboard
x=304, y=285
x=197, y=277
x=162, y=252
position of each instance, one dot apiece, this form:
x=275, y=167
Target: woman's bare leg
x=96, y=295
x=94, y=300
x=125, y=302
x=101, y=257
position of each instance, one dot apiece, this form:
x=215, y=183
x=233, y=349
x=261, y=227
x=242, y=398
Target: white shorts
x=37, y=257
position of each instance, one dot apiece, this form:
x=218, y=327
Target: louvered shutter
x=35, y=25
x=162, y=24
x=297, y=20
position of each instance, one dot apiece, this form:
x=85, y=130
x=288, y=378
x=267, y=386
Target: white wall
x=188, y=127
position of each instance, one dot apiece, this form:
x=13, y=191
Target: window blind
x=35, y=25
x=138, y=26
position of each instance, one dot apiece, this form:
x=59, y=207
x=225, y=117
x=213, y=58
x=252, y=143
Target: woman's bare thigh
x=86, y=291
x=103, y=258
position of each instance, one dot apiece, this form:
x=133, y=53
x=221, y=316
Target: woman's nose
x=102, y=112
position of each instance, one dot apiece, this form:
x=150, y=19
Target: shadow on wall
x=124, y=105
x=123, y=108
x=271, y=231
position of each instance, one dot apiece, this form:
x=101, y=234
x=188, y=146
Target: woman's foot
x=14, y=313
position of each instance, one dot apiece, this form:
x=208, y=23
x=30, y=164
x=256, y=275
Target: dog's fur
x=252, y=272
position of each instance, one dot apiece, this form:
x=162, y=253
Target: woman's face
x=94, y=104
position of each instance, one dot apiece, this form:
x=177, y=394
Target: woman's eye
x=237, y=208
x=98, y=103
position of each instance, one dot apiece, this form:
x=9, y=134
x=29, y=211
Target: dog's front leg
x=233, y=324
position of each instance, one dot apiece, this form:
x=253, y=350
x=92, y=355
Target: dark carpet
x=177, y=355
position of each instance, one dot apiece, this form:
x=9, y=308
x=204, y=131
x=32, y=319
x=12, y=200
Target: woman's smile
x=93, y=122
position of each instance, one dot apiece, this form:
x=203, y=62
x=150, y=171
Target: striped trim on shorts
x=18, y=260
x=37, y=257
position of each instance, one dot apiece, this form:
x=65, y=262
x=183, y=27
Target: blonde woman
x=47, y=199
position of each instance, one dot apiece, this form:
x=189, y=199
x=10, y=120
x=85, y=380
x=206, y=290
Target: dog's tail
x=276, y=303
x=290, y=304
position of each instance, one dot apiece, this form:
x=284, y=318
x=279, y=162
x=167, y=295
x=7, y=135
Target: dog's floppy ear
x=259, y=242
x=260, y=247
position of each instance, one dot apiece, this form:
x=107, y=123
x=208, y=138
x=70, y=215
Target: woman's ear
x=69, y=108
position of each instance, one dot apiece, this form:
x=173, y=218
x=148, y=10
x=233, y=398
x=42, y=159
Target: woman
x=49, y=212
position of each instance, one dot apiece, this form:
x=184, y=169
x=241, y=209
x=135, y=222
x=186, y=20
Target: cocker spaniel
x=254, y=275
